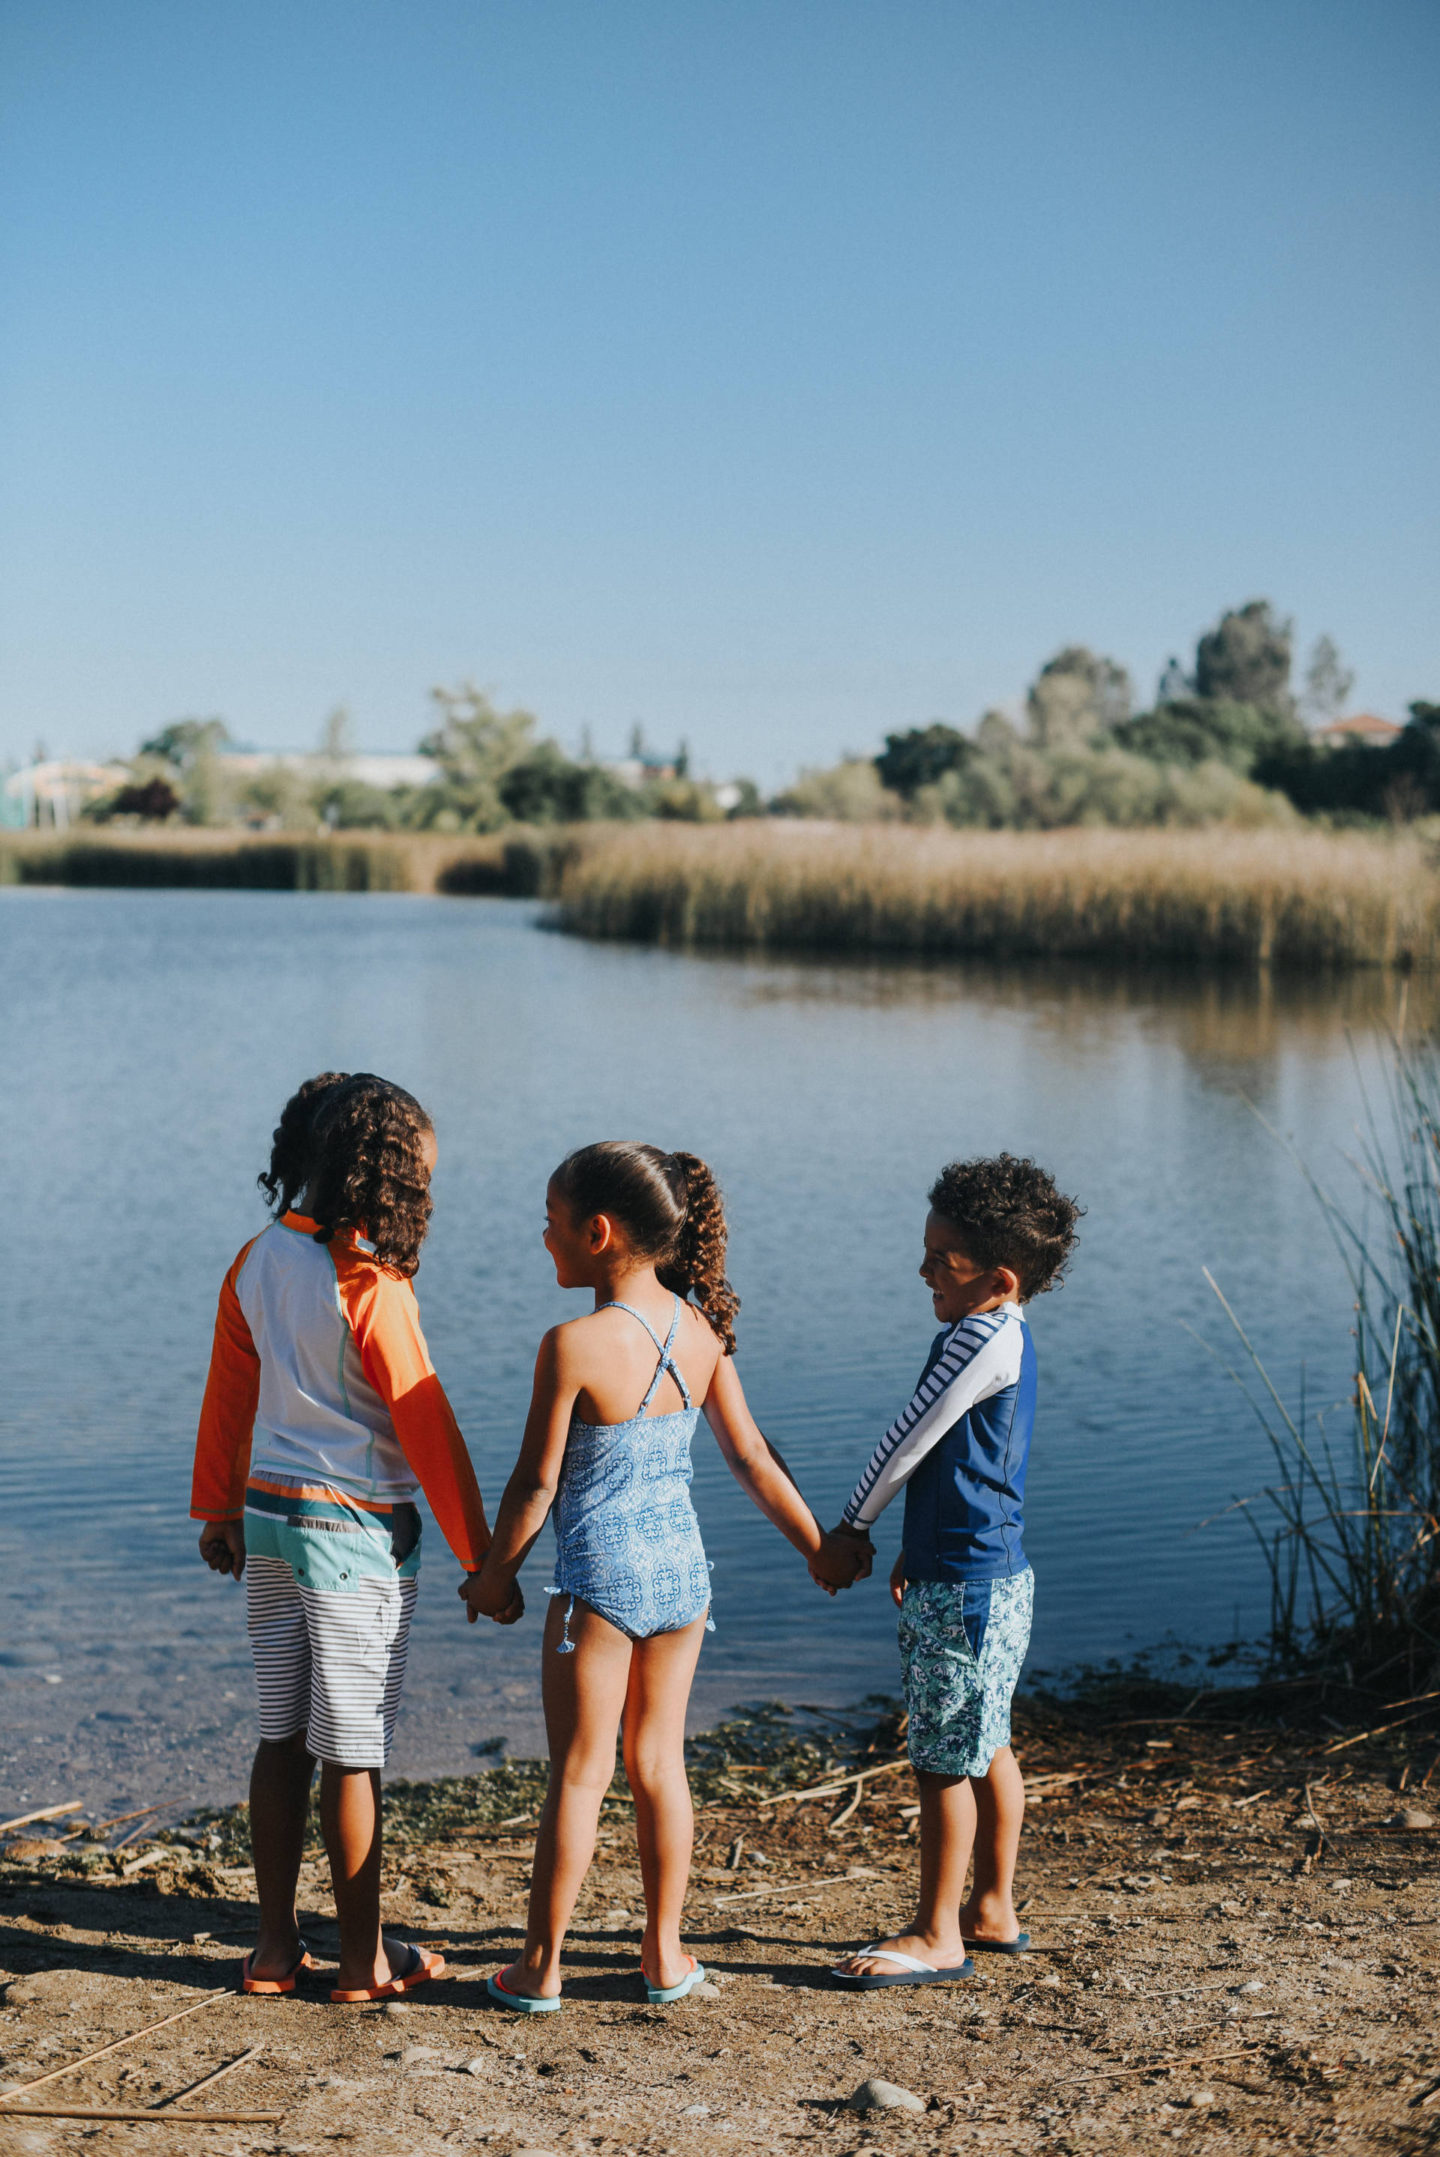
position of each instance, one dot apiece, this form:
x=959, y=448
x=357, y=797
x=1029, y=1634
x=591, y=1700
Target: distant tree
x=920, y=757
x=1194, y=731
x=154, y=800
x=1174, y=683
x=637, y=740
x=682, y=760
x=475, y=746
x=1077, y=695
x=1328, y=682
x=546, y=788
x=337, y=737
x=849, y=792
x=185, y=740
x=1245, y=659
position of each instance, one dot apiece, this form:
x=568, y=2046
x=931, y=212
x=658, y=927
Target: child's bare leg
x=661, y=1671
x=350, y=1817
x=279, y=1804
x=988, y=1913
x=947, y=1832
x=584, y=1694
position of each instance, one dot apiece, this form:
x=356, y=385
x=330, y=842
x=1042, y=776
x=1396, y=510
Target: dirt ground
x=1236, y=1944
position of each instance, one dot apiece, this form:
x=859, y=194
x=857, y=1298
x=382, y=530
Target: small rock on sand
x=528, y=2152
x=396, y=2007
x=705, y=1990
x=880, y=2096
x=1413, y=1816
x=1200, y=2100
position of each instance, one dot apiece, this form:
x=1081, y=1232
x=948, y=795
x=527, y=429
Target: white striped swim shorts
x=329, y=1621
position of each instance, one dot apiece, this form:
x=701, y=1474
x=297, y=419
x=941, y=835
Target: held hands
x=845, y=1556
x=485, y=1597
x=222, y=1546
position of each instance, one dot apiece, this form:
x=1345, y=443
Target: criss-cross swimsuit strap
x=667, y=1361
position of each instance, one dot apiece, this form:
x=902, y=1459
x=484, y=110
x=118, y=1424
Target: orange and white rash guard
x=319, y=1375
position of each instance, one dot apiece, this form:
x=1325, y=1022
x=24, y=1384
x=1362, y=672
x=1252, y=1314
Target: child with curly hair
x=322, y=1416
x=998, y=1232
x=616, y=1400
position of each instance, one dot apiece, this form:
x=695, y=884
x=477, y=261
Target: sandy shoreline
x=1233, y=1938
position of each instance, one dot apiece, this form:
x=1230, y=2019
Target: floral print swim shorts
x=961, y=1647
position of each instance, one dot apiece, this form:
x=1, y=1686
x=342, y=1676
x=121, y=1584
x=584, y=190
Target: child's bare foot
x=396, y=1958
x=532, y=1981
x=989, y=1917
x=275, y=1957
x=664, y=1965
x=943, y=1951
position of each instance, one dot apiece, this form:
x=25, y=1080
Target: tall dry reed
x=1307, y=899
x=516, y=864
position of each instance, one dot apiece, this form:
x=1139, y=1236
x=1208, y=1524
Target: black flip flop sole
x=1020, y=1945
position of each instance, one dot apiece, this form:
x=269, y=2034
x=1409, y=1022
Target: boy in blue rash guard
x=998, y=1232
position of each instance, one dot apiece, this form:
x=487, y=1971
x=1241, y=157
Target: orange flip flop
x=423, y=1966
x=272, y=1985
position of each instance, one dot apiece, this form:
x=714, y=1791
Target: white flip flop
x=910, y=1971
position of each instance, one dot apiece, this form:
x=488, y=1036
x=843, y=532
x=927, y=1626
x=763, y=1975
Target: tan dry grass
x=513, y=861
x=1303, y=899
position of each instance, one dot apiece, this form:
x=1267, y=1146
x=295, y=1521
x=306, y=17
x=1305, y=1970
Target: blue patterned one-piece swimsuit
x=627, y=1540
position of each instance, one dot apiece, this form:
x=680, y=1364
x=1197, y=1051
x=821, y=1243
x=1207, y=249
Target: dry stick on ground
x=48, y=1812
x=216, y=2074
x=1170, y=2059
x=207, y=2000
x=788, y=1887
x=1361, y=1735
x=833, y=1784
x=156, y=2119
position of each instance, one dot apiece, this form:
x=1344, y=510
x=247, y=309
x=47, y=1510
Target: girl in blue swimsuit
x=615, y=1405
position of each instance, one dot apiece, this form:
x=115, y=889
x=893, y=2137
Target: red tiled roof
x=1363, y=727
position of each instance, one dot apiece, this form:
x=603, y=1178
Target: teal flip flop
x=520, y=2003
x=1017, y=1946
x=666, y=1995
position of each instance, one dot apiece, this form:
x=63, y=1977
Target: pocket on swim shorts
x=975, y=1614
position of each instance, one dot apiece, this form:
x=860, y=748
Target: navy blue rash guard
x=960, y=1449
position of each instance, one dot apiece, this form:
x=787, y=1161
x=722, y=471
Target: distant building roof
x=1366, y=727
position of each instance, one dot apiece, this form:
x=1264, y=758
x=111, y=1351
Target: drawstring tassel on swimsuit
x=565, y=1645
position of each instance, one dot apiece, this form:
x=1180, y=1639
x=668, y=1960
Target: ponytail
x=696, y=1265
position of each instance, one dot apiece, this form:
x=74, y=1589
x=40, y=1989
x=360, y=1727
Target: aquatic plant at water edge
x=1352, y=1538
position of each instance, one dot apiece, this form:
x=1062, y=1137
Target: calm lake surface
x=147, y=1041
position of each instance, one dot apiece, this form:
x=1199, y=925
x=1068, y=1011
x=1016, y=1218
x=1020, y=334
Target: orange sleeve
x=385, y=1320
x=227, y=1414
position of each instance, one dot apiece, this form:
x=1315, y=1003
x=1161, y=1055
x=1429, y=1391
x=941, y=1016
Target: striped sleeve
x=981, y=1357
x=227, y=1414
x=384, y=1317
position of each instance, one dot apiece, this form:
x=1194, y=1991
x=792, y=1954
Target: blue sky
x=774, y=375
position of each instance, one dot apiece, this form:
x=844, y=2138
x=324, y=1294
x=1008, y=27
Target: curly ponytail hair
x=670, y=1207
x=292, y=1143
x=368, y=1168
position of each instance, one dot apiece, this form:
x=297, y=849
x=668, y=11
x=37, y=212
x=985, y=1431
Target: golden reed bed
x=1305, y=899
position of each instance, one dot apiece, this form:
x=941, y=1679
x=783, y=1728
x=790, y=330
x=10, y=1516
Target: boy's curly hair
x=367, y=1170
x=291, y=1143
x=1007, y=1212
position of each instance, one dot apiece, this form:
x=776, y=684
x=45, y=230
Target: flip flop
x=520, y=2003
x=272, y=1985
x=910, y=1972
x=665, y=1995
x=423, y=1966
x=1018, y=1946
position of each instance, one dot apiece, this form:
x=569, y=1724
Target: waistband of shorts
x=322, y=1505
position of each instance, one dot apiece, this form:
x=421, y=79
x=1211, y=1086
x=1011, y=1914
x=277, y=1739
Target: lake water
x=148, y=1039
